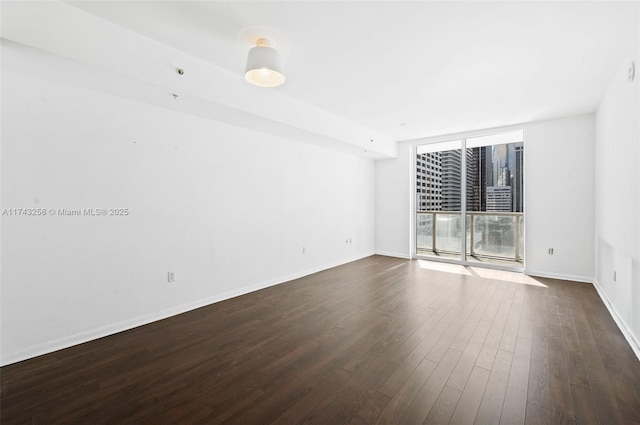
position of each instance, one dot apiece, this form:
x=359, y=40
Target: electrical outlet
x=550, y=251
x=171, y=276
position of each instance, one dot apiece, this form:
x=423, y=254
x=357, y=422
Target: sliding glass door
x=438, y=201
x=469, y=200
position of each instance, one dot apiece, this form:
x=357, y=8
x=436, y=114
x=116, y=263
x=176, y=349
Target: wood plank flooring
x=376, y=341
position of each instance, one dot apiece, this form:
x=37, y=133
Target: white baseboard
x=626, y=330
x=577, y=278
x=394, y=254
x=86, y=336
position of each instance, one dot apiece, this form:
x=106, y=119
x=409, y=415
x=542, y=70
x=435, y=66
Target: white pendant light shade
x=263, y=65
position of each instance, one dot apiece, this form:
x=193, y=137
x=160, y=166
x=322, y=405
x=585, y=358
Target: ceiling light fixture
x=263, y=65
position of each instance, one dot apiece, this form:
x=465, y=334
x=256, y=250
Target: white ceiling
x=403, y=70
x=439, y=67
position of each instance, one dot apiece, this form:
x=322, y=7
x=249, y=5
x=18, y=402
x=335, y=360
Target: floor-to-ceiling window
x=469, y=200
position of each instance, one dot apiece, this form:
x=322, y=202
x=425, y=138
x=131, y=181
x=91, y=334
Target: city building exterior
x=499, y=198
x=429, y=182
x=517, y=196
x=482, y=174
x=494, y=179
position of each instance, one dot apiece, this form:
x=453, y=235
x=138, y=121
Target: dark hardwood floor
x=380, y=340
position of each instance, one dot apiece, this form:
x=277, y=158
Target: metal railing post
x=517, y=236
x=433, y=231
x=472, y=229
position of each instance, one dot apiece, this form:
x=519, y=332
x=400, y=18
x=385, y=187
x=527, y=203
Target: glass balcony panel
x=494, y=236
x=424, y=232
x=448, y=232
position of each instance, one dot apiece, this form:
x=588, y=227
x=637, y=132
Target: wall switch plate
x=614, y=276
x=171, y=276
x=304, y=249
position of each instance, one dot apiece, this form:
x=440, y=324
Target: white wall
x=558, y=197
x=393, y=195
x=227, y=209
x=617, y=199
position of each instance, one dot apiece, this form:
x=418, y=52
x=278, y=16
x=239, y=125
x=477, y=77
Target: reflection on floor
x=483, y=260
x=506, y=276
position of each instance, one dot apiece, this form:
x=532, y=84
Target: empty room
x=322, y=212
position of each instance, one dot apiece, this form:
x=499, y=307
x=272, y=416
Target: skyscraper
x=451, y=178
x=500, y=167
x=470, y=178
x=428, y=182
x=499, y=198
x=517, y=181
x=482, y=176
x=451, y=170
x=499, y=160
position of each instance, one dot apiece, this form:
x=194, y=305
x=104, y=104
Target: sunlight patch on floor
x=444, y=267
x=481, y=272
x=514, y=277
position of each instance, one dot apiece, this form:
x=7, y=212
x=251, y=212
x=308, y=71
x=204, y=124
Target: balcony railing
x=490, y=235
